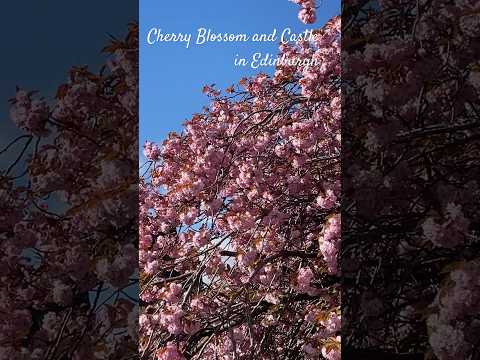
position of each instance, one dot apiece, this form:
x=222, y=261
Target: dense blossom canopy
x=239, y=219
x=68, y=216
x=410, y=190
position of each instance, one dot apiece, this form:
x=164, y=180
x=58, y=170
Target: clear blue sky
x=171, y=76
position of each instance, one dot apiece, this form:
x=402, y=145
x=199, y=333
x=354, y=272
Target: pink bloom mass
x=240, y=220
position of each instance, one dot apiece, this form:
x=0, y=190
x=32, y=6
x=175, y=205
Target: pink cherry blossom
x=170, y=352
x=239, y=216
x=69, y=209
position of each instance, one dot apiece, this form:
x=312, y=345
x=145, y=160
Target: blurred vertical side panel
x=68, y=180
x=411, y=156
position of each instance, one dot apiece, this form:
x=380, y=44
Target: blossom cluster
x=452, y=325
x=29, y=113
x=307, y=14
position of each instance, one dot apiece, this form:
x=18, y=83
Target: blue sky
x=172, y=76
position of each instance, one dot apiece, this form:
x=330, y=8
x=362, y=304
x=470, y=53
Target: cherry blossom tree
x=410, y=192
x=240, y=221
x=69, y=217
